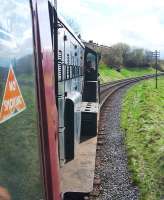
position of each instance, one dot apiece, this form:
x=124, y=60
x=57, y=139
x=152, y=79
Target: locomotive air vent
x=60, y=65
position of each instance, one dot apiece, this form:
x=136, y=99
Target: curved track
x=110, y=190
x=107, y=89
x=112, y=180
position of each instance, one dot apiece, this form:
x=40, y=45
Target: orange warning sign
x=12, y=102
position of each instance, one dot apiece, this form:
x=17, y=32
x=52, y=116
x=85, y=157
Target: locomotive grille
x=68, y=68
x=60, y=66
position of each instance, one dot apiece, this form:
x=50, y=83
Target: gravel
x=116, y=183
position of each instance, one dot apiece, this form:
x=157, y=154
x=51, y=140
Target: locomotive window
x=20, y=171
x=91, y=61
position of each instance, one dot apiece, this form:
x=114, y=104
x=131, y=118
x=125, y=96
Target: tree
x=148, y=58
x=135, y=58
x=122, y=54
x=124, y=50
x=115, y=57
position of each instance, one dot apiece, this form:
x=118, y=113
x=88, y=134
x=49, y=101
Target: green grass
x=142, y=120
x=108, y=74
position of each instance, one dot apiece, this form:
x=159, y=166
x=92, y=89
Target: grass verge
x=142, y=119
x=109, y=74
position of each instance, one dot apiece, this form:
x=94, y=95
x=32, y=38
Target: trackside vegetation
x=110, y=74
x=142, y=120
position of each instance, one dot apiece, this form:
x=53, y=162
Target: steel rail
x=107, y=89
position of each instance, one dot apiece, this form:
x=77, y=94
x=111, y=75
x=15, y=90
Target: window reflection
x=20, y=175
x=5, y=36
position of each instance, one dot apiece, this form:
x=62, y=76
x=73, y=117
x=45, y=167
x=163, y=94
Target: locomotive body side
x=78, y=107
x=70, y=88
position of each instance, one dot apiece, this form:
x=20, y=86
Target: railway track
x=107, y=89
x=106, y=92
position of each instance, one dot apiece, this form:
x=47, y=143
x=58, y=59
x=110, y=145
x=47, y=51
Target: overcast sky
x=136, y=22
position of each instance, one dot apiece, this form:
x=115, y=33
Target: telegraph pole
x=156, y=55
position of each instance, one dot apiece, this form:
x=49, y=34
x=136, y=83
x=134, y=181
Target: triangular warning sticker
x=12, y=102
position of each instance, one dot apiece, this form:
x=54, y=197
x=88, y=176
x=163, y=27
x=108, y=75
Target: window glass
x=91, y=61
x=20, y=171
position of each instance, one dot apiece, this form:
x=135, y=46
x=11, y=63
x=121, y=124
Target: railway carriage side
x=28, y=114
x=48, y=95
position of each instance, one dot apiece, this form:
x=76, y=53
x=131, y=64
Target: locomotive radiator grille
x=60, y=66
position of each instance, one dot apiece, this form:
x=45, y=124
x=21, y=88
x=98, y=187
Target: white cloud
x=139, y=23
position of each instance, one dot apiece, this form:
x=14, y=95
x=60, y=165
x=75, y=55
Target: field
x=108, y=74
x=142, y=121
